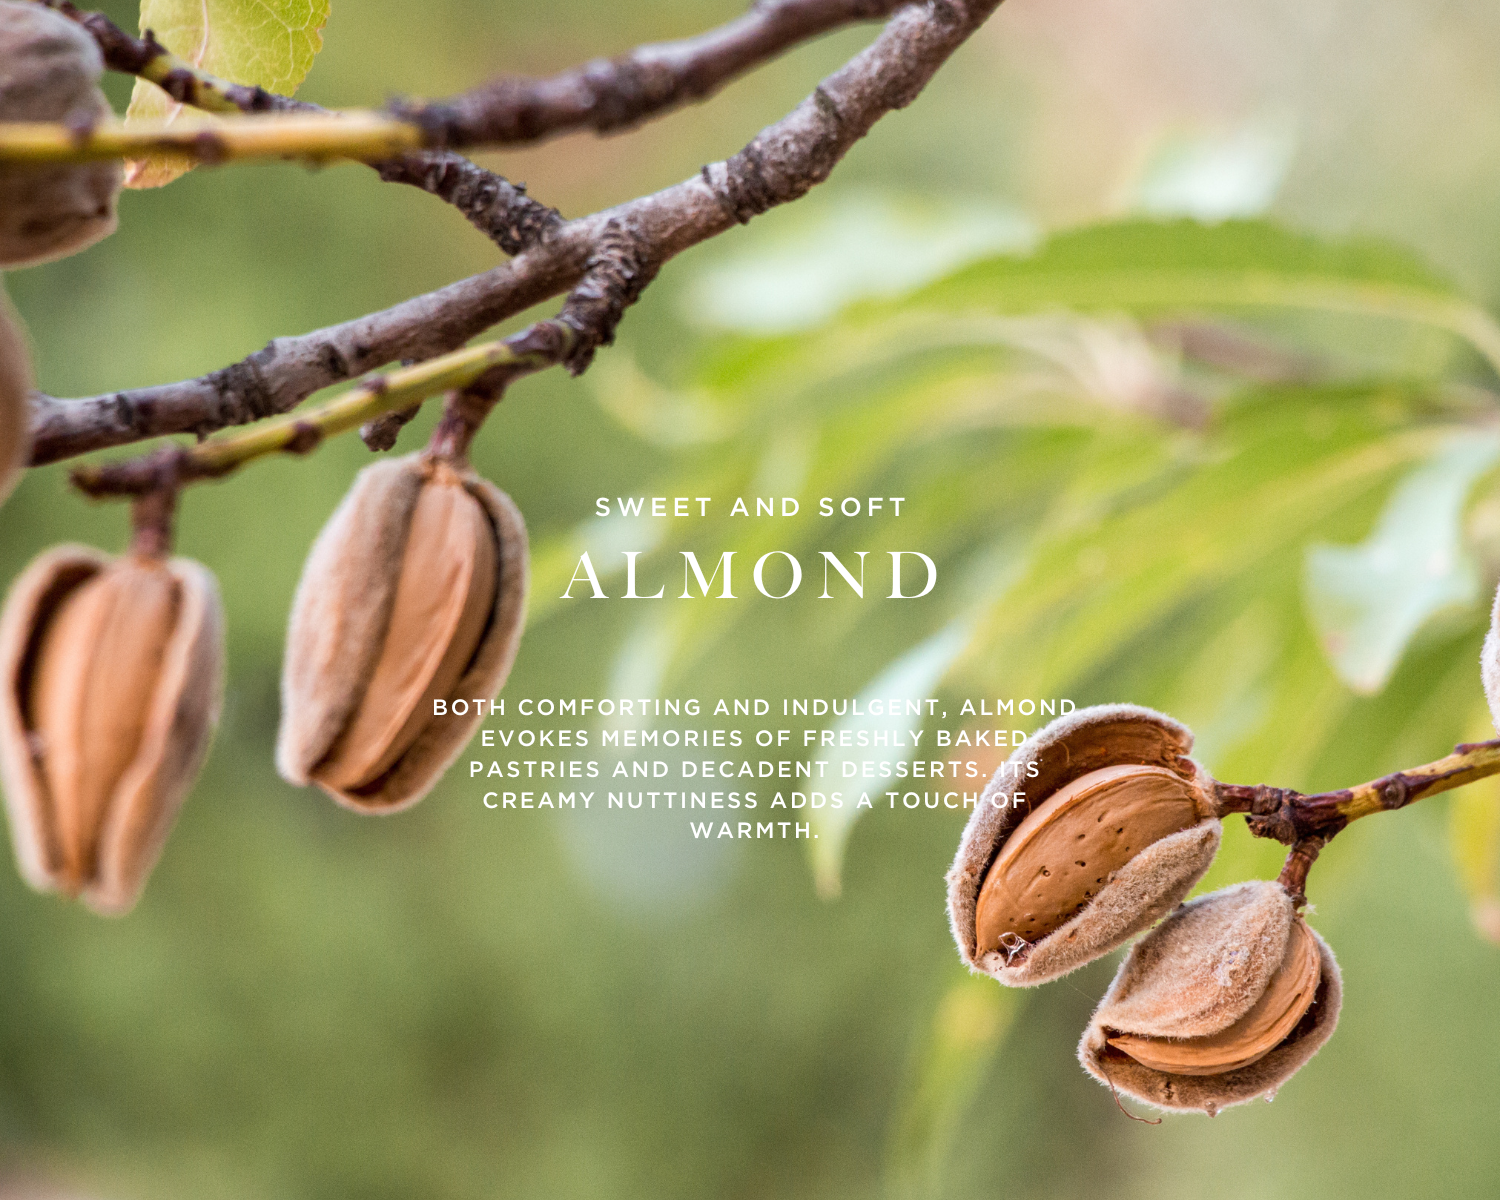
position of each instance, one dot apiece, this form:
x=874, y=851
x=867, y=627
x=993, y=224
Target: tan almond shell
x=1268, y=1023
x=184, y=711
x=1211, y=1093
x=49, y=68
x=340, y=613
x=15, y=386
x=339, y=617
x=1205, y=966
x=1141, y=892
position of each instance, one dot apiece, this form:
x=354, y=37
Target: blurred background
x=1281, y=526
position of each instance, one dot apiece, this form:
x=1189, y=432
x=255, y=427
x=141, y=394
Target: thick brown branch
x=610, y=94
x=482, y=372
x=781, y=164
x=499, y=209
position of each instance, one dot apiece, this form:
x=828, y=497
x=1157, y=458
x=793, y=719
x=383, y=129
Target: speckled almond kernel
x=1091, y=831
x=1068, y=848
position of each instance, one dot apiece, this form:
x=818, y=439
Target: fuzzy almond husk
x=15, y=386
x=1489, y=663
x=1142, y=891
x=341, y=616
x=181, y=707
x=1195, y=975
x=49, y=71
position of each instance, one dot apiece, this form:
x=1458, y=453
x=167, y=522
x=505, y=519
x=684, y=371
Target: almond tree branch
x=477, y=375
x=498, y=208
x=185, y=83
x=539, y=345
x=603, y=95
x=1292, y=818
x=781, y=164
x=610, y=94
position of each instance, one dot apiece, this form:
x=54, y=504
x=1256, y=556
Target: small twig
x=153, y=513
x=380, y=433
x=185, y=83
x=603, y=95
x=314, y=137
x=539, y=345
x=1290, y=817
x=499, y=209
x=475, y=379
x=1293, y=877
x=464, y=411
x=611, y=94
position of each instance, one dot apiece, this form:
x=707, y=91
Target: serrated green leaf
x=265, y=43
x=1368, y=601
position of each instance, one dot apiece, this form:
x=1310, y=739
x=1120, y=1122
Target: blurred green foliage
x=1121, y=451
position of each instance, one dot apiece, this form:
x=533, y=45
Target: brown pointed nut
x=1222, y=1002
x=49, y=71
x=112, y=682
x=15, y=387
x=411, y=603
x=1115, y=826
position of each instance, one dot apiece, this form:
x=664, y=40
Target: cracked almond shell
x=414, y=592
x=49, y=71
x=1223, y=1002
x=112, y=684
x=1116, y=827
x=15, y=386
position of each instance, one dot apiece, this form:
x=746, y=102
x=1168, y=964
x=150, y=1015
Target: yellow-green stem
x=1291, y=817
x=300, y=432
x=354, y=134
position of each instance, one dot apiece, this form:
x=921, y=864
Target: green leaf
x=1368, y=601
x=967, y=1030
x=803, y=266
x=265, y=43
x=1106, y=572
x=1155, y=267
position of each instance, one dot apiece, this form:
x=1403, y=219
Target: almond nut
x=414, y=594
x=1114, y=826
x=1253, y=1036
x=1070, y=846
x=113, y=673
x=1223, y=1002
x=49, y=71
